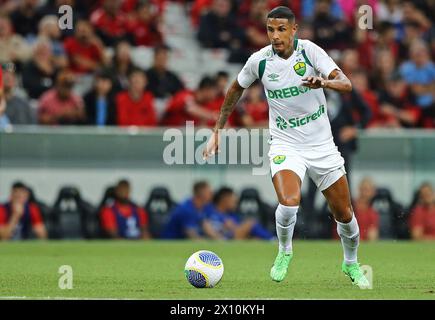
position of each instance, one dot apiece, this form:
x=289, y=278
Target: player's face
x=281, y=33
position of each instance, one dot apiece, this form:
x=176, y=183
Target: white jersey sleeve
x=249, y=73
x=321, y=61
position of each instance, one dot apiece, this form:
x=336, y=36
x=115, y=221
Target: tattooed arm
x=233, y=95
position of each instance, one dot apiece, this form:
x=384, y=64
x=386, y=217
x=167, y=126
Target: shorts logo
x=281, y=123
x=300, y=68
x=278, y=159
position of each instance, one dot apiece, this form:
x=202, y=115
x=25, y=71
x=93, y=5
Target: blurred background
x=81, y=130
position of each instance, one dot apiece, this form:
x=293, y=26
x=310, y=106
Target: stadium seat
x=108, y=197
x=43, y=207
x=107, y=200
x=142, y=57
x=322, y=224
x=71, y=216
x=158, y=207
x=252, y=206
x=391, y=216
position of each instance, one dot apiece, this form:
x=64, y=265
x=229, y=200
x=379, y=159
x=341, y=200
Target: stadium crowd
x=86, y=76
x=206, y=214
x=391, y=65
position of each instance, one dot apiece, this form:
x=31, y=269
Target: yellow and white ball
x=204, y=269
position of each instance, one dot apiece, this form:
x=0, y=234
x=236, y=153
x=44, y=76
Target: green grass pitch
x=154, y=270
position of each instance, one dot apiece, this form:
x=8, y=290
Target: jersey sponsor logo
x=287, y=92
x=273, y=77
x=300, y=68
x=282, y=124
x=278, y=159
x=297, y=122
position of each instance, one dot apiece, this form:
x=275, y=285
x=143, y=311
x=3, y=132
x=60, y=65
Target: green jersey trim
x=261, y=68
x=306, y=58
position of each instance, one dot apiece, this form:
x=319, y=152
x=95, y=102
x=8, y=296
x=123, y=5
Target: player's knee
x=342, y=213
x=290, y=201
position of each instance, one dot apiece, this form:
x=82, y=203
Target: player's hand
x=212, y=146
x=314, y=82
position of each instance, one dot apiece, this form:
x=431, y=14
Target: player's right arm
x=233, y=95
x=245, y=78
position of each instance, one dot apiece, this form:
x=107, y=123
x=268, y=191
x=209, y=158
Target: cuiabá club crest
x=300, y=68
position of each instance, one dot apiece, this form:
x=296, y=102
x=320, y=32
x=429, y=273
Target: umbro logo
x=273, y=77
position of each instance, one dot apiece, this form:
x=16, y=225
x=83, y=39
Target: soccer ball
x=204, y=269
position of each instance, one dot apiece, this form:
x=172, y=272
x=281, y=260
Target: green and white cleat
x=354, y=272
x=280, y=266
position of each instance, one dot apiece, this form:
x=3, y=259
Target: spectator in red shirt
x=367, y=216
x=384, y=66
x=192, y=106
x=221, y=78
x=253, y=110
x=110, y=22
x=395, y=105
x=360, y=84
x=255, y=24
x=135, y=106
x=349, y=61
x=123, y=219
x=145, y=27
x=60, y=105
x=19, y=218
x=84, y=49
x=422, y=219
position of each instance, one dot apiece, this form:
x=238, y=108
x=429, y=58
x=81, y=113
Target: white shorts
x=324, y=164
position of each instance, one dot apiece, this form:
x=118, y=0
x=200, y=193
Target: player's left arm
x=337, y=80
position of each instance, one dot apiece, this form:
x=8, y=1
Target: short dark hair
x=223, y=74
x=123, y=183
x=207, y=82
x=221, y=193
x=161, y=47
x=136, y=70
x=281, y=12
x=199, y=186
x=103, y=74
x=19, y=185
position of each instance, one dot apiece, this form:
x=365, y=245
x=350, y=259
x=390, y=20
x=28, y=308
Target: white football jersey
x=297, y=114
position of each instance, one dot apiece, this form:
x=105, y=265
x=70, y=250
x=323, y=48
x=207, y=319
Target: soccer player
x=293, y=72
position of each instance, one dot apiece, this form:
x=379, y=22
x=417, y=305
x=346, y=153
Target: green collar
x=295, y=44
